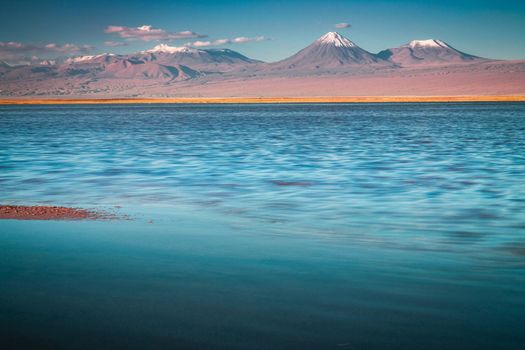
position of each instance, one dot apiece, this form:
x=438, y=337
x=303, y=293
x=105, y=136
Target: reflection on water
x=268, y=226
x=449, y=173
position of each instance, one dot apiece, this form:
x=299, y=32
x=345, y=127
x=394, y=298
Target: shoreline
x=263, y=100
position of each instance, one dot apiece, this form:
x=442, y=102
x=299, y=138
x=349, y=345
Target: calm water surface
x=359, y=226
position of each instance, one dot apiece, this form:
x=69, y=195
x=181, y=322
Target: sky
x=267, y=30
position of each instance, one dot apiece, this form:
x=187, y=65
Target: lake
x=310, y=226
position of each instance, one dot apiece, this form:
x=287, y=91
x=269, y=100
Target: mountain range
x=331, y=65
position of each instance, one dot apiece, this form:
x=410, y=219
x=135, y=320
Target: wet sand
x=254, y=100
x=22, y=212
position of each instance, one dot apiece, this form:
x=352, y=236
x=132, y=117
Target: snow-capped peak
x=427, y=43
x=47, y=62
x=87, y=57
x=336, y=39
x=171, y=49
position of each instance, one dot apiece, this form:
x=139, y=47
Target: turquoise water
x=359, y=226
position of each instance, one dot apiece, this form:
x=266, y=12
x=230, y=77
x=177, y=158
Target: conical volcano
x=332, y=50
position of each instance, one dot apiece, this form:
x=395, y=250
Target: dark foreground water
x=366, y=226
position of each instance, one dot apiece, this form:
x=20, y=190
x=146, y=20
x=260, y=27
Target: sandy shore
x=22, y=212
x=253, y=100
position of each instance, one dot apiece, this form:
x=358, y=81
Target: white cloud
x=343, y=25
x=14, y=51
x=115, y=43
x=148, y=33
x=200, y=43
x=67, y=48
x=221, y=41
x=238, y=40
x=243, y=39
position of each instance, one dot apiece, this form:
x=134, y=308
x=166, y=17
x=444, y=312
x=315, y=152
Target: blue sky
x=494, y=29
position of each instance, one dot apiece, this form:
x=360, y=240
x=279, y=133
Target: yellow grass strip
x=248, y=100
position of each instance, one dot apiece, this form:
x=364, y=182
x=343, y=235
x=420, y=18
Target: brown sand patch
x=42, y=212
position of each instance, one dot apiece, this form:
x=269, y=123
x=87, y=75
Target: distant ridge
x=208, y=60
x=332, y=65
